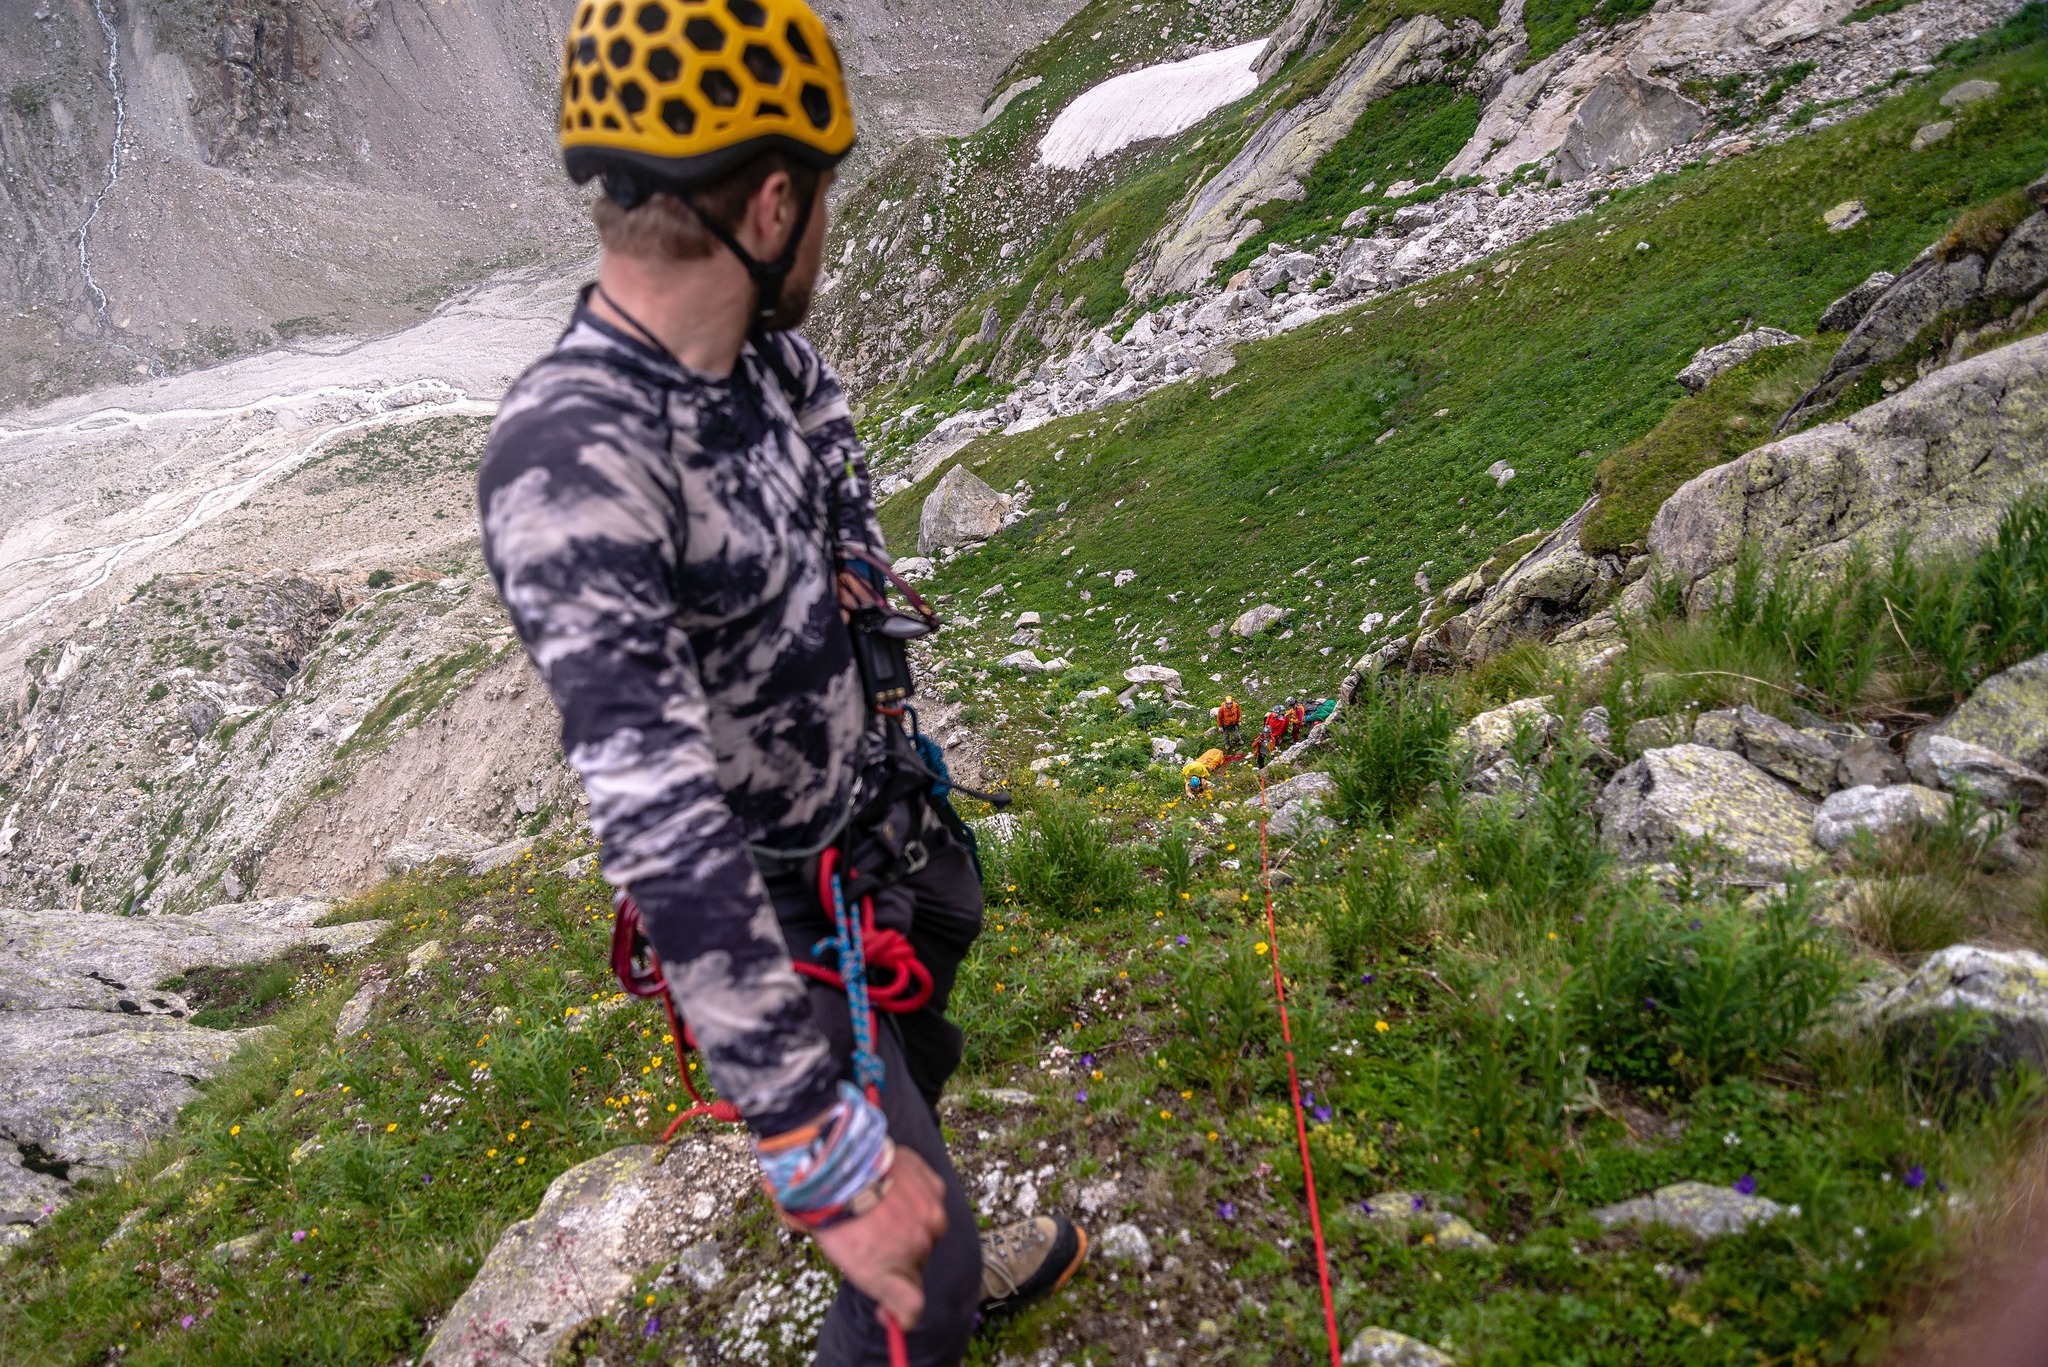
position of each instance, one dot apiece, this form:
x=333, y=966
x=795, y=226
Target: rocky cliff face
x=288, y=169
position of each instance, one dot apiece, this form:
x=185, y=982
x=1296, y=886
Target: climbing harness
x=1308, y=1172
x=856, y=944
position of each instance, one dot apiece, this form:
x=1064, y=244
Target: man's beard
x=791, y=309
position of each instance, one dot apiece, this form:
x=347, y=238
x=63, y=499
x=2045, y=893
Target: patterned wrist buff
x=831, y=1169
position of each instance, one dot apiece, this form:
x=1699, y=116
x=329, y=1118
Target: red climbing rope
x=1308, y=1172
x=909, y=988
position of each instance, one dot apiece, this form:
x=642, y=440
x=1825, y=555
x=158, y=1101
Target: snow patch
x=1154, y=102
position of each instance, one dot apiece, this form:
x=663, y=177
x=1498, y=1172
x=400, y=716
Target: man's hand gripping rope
x=875, y=1210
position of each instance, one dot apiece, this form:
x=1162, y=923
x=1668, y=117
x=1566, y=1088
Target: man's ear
x=772, y=213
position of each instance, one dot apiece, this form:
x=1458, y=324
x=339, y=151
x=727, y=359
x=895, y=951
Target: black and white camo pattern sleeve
x=583, y=505
x=826, y=421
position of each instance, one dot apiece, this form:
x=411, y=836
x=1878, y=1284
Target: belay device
x=882, y=632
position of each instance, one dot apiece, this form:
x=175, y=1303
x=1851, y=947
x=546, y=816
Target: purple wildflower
x=187, y=1322
x=305, y=1279
x=1367, y=977
x=1180, y=940
x=1087, y=1060
x=1745, y=1185
x=1415, y=1202
x=1650, y=1003
x=298, y=1236
x=1081, y=1095
x=426, y=1179
x=1227, y=1209
x=1916, y=1177
x=1695, y=924
x=1323, y=1114
x=653, y=1327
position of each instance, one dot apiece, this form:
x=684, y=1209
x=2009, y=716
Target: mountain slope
x=1357, y=447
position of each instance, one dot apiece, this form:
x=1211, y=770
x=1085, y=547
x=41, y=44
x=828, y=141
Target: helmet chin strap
x=768, y=276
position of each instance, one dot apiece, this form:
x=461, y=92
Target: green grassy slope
x=1551, y=358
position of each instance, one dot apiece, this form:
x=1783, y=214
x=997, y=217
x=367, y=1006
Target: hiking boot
x=1029, y=1260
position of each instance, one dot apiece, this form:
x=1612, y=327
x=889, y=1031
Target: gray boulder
x=1958, y=766
x=1805, y=759
x=1384, y=1348
x=1699, y=1208
x=96, y=1059
x=2008, y=713
x=2021, y=267
x=1625, y=119
x=435, y=840
x=1261, y=618
x=1868, y=761
x=1554, y=583
x=27, y=1197
x=1309, y=785
x=961, y=509
x=1301, y=817
x=2005, y=991
x=602, y=1225
x=1696, y=793
x=1709, y=361
x=1846, y=312
x=1880, y=811
x=1492, y=734
x=1924, y=293
x=1940, y=461
x=1967, y=93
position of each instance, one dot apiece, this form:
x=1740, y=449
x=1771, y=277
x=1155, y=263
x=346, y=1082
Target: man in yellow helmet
x=676, y=512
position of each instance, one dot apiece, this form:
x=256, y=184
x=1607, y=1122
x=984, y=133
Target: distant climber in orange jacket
x=1230, y=721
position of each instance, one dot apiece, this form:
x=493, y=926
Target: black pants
x=939, y=908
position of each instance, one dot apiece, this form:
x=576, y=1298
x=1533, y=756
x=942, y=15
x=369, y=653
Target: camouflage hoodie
x=659, y=539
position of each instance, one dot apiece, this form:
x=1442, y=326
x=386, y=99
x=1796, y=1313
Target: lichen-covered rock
x=1870, y=761
x=1261, y=618
x=1928, y=289
x=1315, y=784
x=1846, y=312
x=1709, y=361
x=961, y=509
x=2008, y=713
x=1978, y=1010
x=1169, y=679
x=602, y=1225
x=1697, y=793
x=1701, y=1209
x=1409, y=1211
x=1385, y=1348
x=1880, y=811
x=1301, y=817
x=1554, y=583
x=96, y=1058
x=27, y=1197
x=1940, y=461
x=1958, y=766
x=1805, y=759
x=2021, y=267
x=1625, y=119
x=1492, y=734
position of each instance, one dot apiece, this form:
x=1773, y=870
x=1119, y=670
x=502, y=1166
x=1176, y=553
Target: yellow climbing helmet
x=672, y=94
